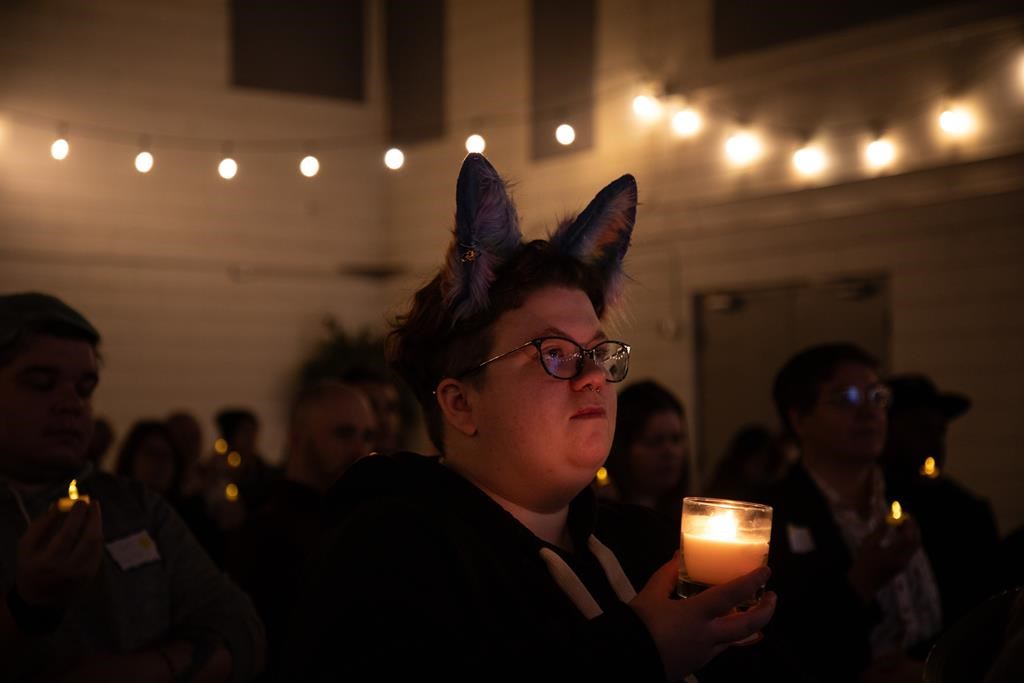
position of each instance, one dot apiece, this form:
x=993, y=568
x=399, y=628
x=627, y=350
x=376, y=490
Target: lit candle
x=65, y=504
x=929, y=469
x=896, y=515
x=721, y=541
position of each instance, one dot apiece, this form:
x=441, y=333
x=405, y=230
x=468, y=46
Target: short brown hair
x=426, y=344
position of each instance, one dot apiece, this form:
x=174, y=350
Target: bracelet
x=33, y=620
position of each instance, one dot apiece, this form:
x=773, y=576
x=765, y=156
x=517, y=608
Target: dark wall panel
x=312, y=47
x=562, y=73
x=414, y=33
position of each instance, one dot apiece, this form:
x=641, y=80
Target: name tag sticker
x=134, y=551
x=800, y=539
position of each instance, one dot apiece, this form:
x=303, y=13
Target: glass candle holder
x=721, y=540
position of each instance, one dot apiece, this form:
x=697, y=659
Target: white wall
x=207, y=292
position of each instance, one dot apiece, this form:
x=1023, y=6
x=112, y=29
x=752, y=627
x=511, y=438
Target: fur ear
x=486, y=233
x=599, y=237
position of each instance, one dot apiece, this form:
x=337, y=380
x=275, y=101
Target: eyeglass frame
x=834, y=398
x=581, y=365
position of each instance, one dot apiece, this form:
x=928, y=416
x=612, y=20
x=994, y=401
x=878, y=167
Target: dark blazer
x=820, y=618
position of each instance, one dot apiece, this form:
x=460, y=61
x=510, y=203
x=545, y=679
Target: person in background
x=242, y=464
x=113, y=588
x=384, y=397
x=331, y=427
x=187, y=435
x=649, y=462
x=955, y=523
x=753, y=460
x=150, y=456
x=859, y=598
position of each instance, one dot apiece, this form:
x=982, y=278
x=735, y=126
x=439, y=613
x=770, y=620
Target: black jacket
x=424, y=575
x=820, y=620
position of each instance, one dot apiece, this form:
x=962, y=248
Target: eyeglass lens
x=564, y=359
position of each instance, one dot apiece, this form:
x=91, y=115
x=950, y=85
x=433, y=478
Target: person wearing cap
x=493, y=561
x=958, y=528
x=111, y=586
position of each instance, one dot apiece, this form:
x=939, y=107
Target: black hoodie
x=424, y=575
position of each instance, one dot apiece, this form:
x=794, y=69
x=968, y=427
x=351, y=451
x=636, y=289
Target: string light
x=220, y=446
x=646, y=107
x=687, y=122
x=309, y=166
x=231, y=493
x=475, y=144
x=809, y=161
x=879, y=153
x=956, y=122
x=394, y=159
x=565, y=134
x=743, y=148
x=143, y=162
x=59, y=149
x=227, y=168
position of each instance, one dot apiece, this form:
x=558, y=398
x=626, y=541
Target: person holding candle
x=108, y=585
x=955, y=523
x=649, y=463
x=492, y=561
x=857, y=595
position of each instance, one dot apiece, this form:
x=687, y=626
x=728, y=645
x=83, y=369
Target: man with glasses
x=857, y=590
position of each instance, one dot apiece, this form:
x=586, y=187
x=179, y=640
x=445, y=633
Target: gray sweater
x=179, y=595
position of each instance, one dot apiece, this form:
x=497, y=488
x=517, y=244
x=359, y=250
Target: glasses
x=565, y=359
x=877, y=396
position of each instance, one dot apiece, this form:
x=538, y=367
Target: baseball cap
x=912, y=391
x=34, y=313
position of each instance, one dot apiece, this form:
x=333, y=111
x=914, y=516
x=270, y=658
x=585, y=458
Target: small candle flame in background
x=895, y=516
x=231, y=492
x=73, y=489
x=602, y=477
x=722, y=526
x=929, y=469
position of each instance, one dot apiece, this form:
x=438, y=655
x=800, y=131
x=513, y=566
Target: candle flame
x=897, y=510
x=929, y=469
x=722, y=527
x=602, y=476
x=231, y=492
x=73, y=489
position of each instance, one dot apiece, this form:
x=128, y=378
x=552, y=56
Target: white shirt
x=910, y=603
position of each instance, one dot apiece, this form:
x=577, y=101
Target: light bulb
x=743, y=148
x=565, y=134
x=646, y=107
x=59, y=149
x=809, y=160
x=394, y=159
x=309, y=166
x=227, y=168
x=956, y=122
x=880, y=153
x=687, y=122
x=143, y=162
x=476, y=144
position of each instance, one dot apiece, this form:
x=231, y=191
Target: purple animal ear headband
x=487, y=233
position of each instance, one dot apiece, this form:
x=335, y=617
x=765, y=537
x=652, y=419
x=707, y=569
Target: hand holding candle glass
x=721, y=540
